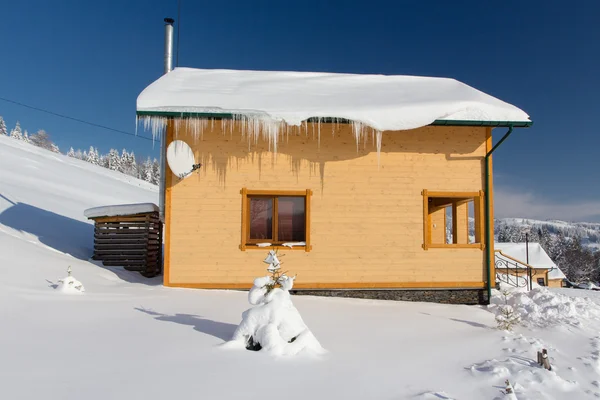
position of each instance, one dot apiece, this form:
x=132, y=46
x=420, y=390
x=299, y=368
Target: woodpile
x=131, y=241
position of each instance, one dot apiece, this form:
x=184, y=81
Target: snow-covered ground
x=128, y=337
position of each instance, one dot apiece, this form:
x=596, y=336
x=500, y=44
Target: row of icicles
x=255, y=127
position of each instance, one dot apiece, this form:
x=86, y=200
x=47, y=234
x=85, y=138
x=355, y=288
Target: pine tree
x=79, y=154
x=71, y=153
x=3, y=130
x=54, y=148
x=16, y=132
x=114, y=161
x=128, y=165
x=132, y=165
x=26, y=137
x=155, y=172
x=104, y=161
x=92, y=156
x=147, y=174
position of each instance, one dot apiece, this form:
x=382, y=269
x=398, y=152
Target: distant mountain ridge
x=588, y=232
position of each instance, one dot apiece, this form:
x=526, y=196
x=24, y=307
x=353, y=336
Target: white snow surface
x=134, y=338
x=382, y=102
x=120, y=209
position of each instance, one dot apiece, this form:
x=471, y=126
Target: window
x=275, y=218
x=541, y=281
x=452, y=219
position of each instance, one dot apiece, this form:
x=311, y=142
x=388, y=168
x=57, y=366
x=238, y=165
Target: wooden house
x=516, y=262
x=357, y=180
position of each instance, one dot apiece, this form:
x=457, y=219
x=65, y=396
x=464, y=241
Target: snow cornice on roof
x=380, y=102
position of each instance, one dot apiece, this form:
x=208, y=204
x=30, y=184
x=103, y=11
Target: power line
x=75, y=119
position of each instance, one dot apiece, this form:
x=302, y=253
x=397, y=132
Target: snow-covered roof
x=538, y=258
x=121, y=209
x=556, y=273
x=382, y=102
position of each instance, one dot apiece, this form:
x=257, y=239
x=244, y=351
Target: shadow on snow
x=221, y=330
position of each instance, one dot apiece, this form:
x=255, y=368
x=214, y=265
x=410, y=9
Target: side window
x=452, y=219
x=541, y=281
x=275, y=219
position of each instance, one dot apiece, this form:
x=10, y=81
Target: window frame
x=247, y=194
x=478, y=198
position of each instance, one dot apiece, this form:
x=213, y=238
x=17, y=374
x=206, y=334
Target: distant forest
x=125, y=162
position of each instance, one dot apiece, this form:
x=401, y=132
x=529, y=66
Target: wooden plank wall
x=131, y=241
x=366, y=213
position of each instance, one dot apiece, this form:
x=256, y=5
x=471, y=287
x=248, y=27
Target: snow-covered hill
x=128, y=337
x=589, y=232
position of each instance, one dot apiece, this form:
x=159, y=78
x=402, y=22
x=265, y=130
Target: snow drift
x=541, y=307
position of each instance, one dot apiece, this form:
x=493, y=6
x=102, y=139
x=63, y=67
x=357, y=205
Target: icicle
x=358, y=131
x=319, y=134
x=378, y=139
x=155, y=124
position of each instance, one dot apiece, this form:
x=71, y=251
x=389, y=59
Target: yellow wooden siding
x=438, y=226
x=366, y=214
x=460, y=223
x=555, y=283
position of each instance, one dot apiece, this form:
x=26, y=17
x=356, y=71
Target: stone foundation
x=445, y=296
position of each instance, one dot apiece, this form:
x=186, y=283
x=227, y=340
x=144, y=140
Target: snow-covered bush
x=70, y=285
x=506, y=317
x=274, y=324
x=543, y=307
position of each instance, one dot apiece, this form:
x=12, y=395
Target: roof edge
x=437, y=122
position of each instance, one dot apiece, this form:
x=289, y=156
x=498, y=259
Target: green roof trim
x=437, y=122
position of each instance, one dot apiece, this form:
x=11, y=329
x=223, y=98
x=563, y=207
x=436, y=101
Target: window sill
x=454, y=246
x=274, y=247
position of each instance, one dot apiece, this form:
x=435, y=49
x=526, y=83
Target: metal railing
x=512, y=271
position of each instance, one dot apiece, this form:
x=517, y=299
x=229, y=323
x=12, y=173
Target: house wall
x=366, y=221
x=555, y=283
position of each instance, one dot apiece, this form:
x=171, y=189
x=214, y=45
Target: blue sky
x=90, y=60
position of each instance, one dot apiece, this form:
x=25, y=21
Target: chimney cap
x=169, y=21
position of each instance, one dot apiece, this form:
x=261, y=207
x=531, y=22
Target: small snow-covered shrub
x=70, y=285
x=274, y=324
x=506, y=317
x=543, y=307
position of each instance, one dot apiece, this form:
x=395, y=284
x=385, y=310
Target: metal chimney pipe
x=163, y=139
x=168, y=44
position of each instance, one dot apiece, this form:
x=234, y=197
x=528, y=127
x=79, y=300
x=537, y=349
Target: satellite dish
x=180, y=158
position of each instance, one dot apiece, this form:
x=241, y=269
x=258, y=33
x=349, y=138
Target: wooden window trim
x=250, y=244
x=478, y=209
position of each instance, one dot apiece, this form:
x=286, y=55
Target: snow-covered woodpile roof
x=379, y=101
x=121, y=209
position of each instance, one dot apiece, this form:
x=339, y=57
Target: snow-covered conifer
x=114, y=160
x=274, y=325
x=92, y=156
x=70, y=285
x=71, y=153
x=155, y=172
x=147, y=174
x=16, y=132
x=3, y=130
x=506, y=316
